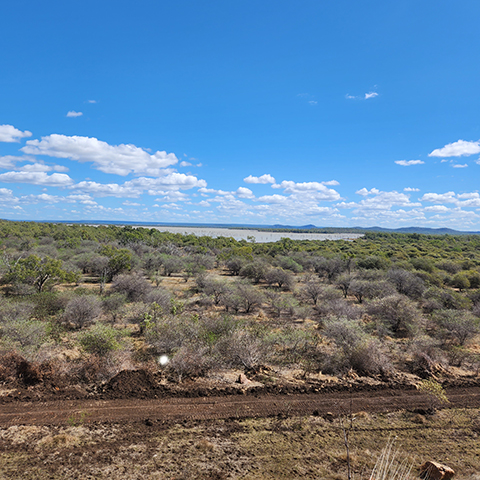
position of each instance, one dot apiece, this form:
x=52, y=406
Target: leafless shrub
x=82, y=310
x=279, y=277
x=243, y=348
x=397, y=314
x=426, y=356
x=338, y=307
x=190, y=361
x=457, y=326
x=134, y=287
x=161, y=297
x=406, y=282
x=356, y=349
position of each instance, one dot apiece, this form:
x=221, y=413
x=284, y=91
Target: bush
x=457, y=326
x=82, y=310
x=356, y=349
x=134, y=287
x=100, y=339
x=397, y=314
x=279, y=277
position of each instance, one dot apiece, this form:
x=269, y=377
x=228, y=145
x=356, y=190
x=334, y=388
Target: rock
x=242, y=379
x=435, y=471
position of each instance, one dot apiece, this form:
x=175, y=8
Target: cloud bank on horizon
x=333, y=114
x=165, y=194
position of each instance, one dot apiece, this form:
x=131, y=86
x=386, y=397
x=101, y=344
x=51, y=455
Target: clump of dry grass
x=390, y=466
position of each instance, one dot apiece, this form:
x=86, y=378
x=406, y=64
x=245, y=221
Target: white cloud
x=457, y=149
x=131, y=204
x=73, y=113
x=458, y=165
x=411, y=189
x=244, y=192
x=91, y=101
x=84, y=199
x=371, y=95
x=264, y=179
x=408, y=163
x=185, y=164
x=10, y=134
x=448, y=197
x=364, y=192
x=315, y=189
x=37, y=178
x=273, y=198
x=331, y=183
x=167, y=184
x=9, y=161
x=43, y=197
x=117, y=159
x=41, y=167
x=437, y=209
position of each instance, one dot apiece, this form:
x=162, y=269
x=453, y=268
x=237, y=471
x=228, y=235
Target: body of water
x=260, y=236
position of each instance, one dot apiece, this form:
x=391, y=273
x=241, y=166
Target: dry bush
x=190, y=361
x=134, y=287
x=243, y=348
x=457, y=326
x=426, y=356
x=280, y=278
x=356, y=350
x=82, y=310
x=395, y=314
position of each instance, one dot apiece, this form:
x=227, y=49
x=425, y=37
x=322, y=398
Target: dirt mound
x=132, y=383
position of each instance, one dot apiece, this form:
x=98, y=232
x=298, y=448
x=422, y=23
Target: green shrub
x=100, y=339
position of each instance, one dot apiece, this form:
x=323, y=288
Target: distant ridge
x=277, y=227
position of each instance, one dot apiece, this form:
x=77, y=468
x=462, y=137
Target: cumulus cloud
x=9, y=161
x=317, y=190
x=364, y=192
x=264, y=179
x=244, y=192
x=37, y=178
x=448, y=197
x=458, y=165
x=371, y=95
x=378, y=201
x=117, y=159
x=185, y=164
x=411, y=189
x=408, y=163
x=134, y=188
x=41, y=167
x=73, y=113
x=461, y=148
x=10, y=134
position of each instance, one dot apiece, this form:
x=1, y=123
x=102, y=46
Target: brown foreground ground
x=243, y=436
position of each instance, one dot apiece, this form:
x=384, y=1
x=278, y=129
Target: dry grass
x=251, y=449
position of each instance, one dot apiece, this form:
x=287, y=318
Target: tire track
x=207, y=408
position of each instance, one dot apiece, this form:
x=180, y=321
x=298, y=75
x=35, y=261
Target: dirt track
x=234, y=406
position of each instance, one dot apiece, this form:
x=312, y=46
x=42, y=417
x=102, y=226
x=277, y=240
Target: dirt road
x=232, y=406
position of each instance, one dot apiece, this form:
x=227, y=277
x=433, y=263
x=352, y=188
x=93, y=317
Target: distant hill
x=278, y=227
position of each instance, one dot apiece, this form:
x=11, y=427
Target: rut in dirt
x=224, y=407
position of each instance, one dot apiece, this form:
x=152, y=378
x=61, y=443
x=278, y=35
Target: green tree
x=37, y=272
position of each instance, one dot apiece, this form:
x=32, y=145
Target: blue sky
x=333, y=113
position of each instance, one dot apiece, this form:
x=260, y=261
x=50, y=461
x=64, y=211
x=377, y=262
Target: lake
x=260, y=236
